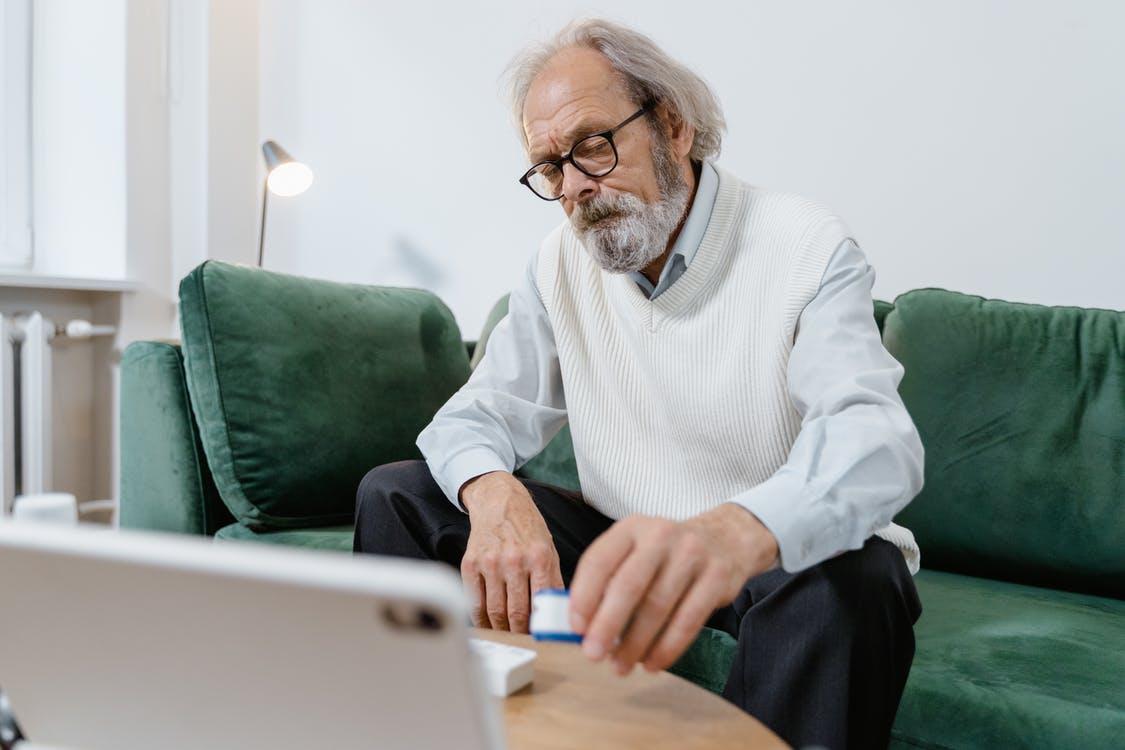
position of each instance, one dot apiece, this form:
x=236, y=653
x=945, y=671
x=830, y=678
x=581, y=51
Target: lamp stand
x=262, y=228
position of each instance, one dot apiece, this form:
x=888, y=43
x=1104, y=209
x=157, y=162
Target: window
x=15, y=134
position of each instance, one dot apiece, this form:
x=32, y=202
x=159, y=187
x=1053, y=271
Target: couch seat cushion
x=708, y=660
x=323, y=537
x=1005, y=665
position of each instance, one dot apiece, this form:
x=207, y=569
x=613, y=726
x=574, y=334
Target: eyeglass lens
x=593, y=155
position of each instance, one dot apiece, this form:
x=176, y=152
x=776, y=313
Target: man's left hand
x=653, y=583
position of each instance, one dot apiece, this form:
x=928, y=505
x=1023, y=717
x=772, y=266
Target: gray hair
x=646, y=71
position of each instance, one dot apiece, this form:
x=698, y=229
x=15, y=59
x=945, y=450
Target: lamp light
x=285, y=176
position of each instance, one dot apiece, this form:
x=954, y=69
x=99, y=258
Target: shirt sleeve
x=512, y=405
x=857, y=459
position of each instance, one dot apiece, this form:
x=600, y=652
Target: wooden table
x=575, y=703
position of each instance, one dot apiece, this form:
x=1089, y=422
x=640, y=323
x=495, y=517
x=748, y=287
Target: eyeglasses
x=594, y=156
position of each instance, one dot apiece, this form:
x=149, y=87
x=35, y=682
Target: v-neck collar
x=695, y=276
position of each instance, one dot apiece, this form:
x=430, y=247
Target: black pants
x=822, y=655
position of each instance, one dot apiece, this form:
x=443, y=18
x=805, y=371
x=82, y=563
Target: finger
x=519, y=600
x=495, y=597
x=556, y=575
x=544, y=568
x=686, y=622
x=656, y=608
x=474, y=590
x=481, y=616
x=622, y=596
x=593, y=572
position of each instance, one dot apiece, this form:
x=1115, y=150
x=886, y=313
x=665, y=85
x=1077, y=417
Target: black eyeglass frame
x=561, y=162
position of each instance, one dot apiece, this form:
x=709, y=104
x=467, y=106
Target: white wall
x=971, y=145
x=232, y=144
x=213, y=120
x=78, y=138
x=15, y=135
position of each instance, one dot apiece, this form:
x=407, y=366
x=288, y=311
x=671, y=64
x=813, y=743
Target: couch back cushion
x=882, y=310
x=300, y=386
x=1021, y=409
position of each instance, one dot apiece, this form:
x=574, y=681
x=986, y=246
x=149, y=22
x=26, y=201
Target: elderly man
x=740, y=442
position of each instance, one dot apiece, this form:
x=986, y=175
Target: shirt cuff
x=463, y=466
x=778, y=503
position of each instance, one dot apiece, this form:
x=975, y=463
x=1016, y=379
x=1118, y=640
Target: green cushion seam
x=196, y=443
x=1007, y=302
x=915, y=742
x=448, y=311
x=253, y=511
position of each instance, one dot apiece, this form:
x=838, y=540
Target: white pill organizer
x=550, y=616
x=505, y=668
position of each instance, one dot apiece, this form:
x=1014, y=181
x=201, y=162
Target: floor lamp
x=285, y=176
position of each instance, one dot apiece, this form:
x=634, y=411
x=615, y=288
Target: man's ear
x=679, y=132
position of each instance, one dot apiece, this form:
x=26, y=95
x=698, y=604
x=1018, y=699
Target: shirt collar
x=691, y=234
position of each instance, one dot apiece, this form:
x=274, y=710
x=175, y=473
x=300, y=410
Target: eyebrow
x=572, y=136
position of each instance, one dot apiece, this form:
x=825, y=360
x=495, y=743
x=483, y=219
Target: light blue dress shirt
x=691, y=235
x=856, y=462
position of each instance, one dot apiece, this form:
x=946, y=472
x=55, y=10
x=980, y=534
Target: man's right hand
x=510, y=554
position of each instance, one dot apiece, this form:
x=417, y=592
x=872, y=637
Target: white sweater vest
x=679, y=403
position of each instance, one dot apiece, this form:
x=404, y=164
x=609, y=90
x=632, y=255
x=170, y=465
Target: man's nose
x=578, y=186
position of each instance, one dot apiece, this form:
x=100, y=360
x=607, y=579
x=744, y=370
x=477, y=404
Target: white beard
x=621, y=232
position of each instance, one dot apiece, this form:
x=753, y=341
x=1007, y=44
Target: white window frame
x=16, y=246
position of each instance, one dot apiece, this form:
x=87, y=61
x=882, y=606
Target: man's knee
x=858, y=588
x=378, y=486
x=384, y=515
x=871, y=581
x=402, y=511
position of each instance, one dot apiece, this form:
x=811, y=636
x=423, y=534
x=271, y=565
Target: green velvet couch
x=286, y=390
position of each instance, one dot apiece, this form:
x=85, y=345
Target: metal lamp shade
x=275, y=155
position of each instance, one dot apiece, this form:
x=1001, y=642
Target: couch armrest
x=165, y=482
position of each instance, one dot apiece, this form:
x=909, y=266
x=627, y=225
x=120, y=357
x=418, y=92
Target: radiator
x=7, y=414
x=25, y=392
x=27, y=436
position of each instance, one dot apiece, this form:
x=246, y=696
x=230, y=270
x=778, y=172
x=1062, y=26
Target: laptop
x=122, y=640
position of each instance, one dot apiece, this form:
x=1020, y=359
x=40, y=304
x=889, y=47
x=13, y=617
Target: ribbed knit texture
x=679, y=403
x=712, y=351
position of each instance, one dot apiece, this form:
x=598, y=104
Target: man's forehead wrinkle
x=556, y=132
x=576, y=90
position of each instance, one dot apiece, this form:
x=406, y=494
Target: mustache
x=587, y=215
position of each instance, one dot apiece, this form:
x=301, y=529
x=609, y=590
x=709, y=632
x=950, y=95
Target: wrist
x=754, y=539
x=474, y=491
